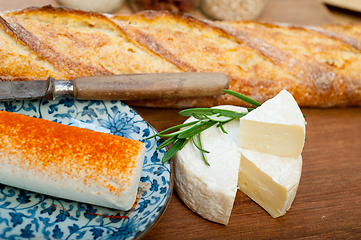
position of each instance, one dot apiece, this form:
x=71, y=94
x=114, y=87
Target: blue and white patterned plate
x=25, y=215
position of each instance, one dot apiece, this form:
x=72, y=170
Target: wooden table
x=328, y=202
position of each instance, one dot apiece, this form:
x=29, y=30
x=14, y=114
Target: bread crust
x=318, y=65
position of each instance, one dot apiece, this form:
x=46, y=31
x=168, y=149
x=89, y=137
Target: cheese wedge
x=277, y=127
x=269, y=180
x=272, y=139
x=69, y=162
x=210, y=190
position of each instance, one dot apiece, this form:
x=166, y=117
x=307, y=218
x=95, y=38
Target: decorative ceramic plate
x=26, y=215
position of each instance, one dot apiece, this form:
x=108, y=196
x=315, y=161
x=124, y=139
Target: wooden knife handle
x=150, y=86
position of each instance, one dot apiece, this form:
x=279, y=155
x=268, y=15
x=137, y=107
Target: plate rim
x=171, y=187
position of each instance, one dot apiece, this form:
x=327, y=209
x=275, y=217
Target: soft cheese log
x=269, y=180
x=277, y=127
x=210, y=190
x=69, y=162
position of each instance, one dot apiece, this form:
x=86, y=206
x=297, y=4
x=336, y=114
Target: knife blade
x=119, y=87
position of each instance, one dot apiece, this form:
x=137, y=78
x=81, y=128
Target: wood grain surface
x=328, y=202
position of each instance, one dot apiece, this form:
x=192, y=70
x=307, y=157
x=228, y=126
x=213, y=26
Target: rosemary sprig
x=205, y=118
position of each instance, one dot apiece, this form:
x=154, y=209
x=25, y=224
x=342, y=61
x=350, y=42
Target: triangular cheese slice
x=269, y=180
x=277, y=127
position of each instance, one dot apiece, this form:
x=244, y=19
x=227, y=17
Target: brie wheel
x=210, y=190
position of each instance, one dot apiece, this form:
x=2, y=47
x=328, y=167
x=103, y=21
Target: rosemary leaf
x=160, y=134
x=184, y=143
x=222, y=127
x=210, y=111
x=203, y=153
x=229, y=113
x=179, y=144
x=197, y=128
x=242, y=97
x=218, y=118
x=177, y=127
x=175, y=133
x=167, y=142
x=189, y=112
x=199, y=116
x=196, y=144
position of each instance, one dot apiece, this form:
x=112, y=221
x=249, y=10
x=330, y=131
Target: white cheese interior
x=269, y=180
x=277, y=127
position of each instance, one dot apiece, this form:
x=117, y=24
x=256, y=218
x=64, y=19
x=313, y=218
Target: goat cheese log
x=318, y=65
x=69, y=162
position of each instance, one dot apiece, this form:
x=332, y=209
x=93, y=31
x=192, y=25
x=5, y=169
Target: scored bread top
x=82, y=43
x=65, y=153
x=317, y=65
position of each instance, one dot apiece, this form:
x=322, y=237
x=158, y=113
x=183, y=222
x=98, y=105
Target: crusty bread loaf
x=318, y=65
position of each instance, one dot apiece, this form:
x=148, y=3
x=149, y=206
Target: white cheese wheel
x=210, y=190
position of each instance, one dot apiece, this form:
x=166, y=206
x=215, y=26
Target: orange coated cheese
x=56, y=151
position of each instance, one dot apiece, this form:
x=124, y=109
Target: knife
x=119, y=87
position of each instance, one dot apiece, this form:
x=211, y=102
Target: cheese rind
x=210, y=190
x=69, y=162
x=277, y=127
x=269, y=180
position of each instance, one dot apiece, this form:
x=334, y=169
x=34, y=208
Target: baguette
x=65, y=161
x=318, y=65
